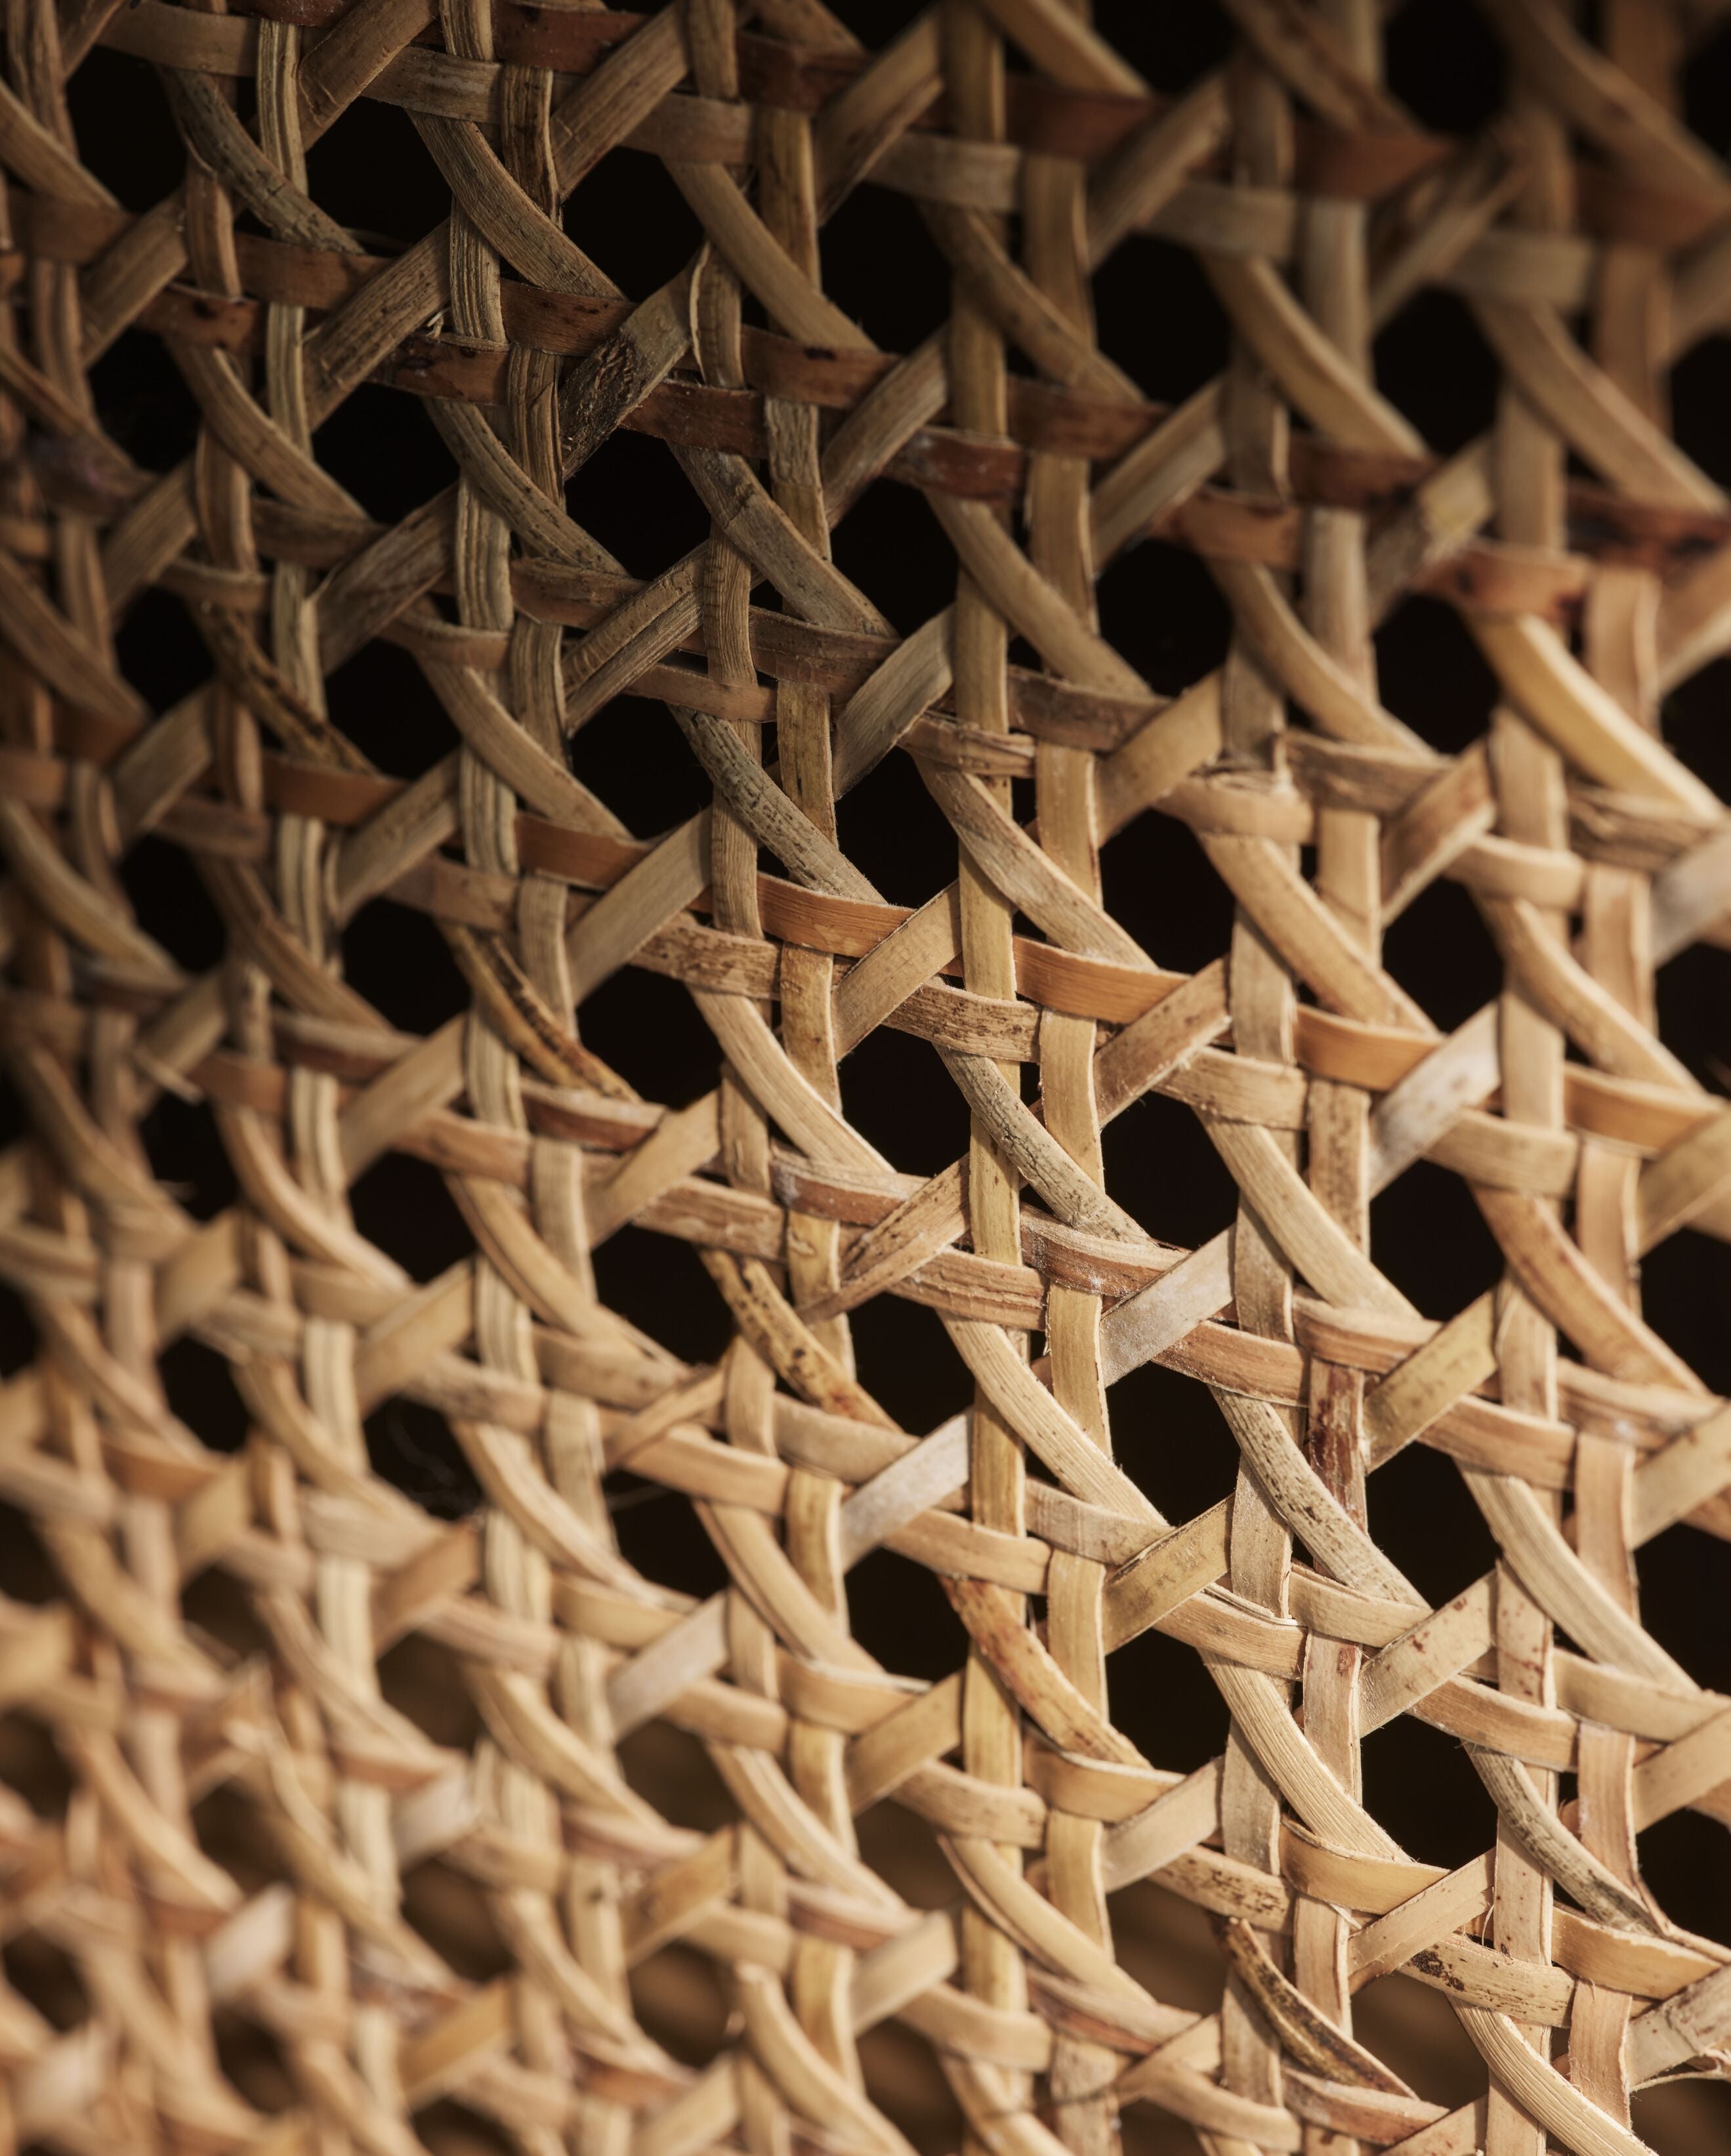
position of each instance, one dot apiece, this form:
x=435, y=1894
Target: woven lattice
x=334, y=1822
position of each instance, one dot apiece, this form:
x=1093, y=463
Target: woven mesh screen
x=708, y=1448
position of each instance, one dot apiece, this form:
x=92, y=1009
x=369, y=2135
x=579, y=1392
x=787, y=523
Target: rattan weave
x=234, y=1847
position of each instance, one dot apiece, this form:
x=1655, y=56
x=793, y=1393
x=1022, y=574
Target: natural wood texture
x=247, y=1844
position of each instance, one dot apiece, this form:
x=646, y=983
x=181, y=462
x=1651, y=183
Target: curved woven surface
x=266, y=1888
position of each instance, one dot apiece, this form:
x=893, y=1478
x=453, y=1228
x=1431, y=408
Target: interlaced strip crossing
x=1588, y=234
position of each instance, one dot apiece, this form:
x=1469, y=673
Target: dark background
x=1158, y=319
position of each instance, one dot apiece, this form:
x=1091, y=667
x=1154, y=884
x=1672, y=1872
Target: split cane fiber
x=269, y=1886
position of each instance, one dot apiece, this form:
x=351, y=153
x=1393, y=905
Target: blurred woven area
x=442, y=1709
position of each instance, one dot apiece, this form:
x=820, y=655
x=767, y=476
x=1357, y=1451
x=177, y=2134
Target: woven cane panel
x=595, y=1082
